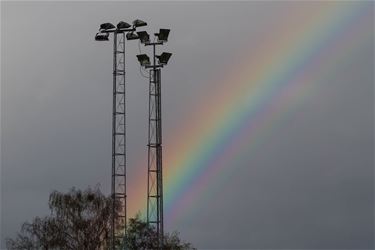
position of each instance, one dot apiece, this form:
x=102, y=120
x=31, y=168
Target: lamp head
x=123, y=25
x=131, y=36
x=143, y=36
x=143, y=59
x=164, y=58
x=106, y=26
x=163, y=35
x=139, y=23
x=101, y=37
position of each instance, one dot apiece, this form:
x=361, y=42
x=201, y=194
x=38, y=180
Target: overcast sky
x=307, y=185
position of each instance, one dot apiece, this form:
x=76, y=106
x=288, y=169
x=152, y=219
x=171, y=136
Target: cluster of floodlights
x=106, y=28
x=162, y=37
x=144, y=60
x=143, y=36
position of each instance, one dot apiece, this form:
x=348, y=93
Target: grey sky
x=309, y=187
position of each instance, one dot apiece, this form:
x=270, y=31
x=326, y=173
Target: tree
x=142, y=236
x=81, y=220
x=78, y=220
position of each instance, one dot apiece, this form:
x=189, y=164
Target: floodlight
x=163, y=35
x=123, y=25
x=139, y=23
x=131, y=36
x=164, y=57
x=143, y=59
x=106, y=26
x=101, y=37
x=143, y=36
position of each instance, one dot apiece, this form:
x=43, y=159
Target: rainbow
x=264, y=89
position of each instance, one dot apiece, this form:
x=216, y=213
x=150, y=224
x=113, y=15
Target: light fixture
x=107, y=26
x=101, y=37
x=143, y=36
x=131, y=36
x=139, y=23
x=164, y=57
x=143, y=59
x=123, y=25
x=163, y=35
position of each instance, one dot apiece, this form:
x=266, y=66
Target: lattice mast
x=118, y=233
x=155, y=169
x=119, y=219
x=155, y=160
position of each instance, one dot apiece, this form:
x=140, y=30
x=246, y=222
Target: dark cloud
x=311, y=186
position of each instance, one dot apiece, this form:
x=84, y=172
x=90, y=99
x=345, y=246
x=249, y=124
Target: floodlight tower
x=155, y=169
x=118, y=185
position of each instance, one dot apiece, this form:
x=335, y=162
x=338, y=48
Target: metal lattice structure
x=155, y=174
x=118, y=220
x=155, y=160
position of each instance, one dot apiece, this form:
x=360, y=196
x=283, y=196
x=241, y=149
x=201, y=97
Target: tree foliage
x=81, y=220
x=78, y=220
x=142, y=236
